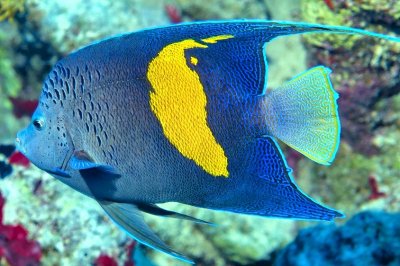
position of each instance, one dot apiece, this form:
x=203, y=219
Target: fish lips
x=19, y=142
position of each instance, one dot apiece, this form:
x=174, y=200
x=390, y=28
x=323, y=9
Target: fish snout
x=19, y=144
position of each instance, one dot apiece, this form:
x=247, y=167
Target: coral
x=67, y=26
x=5, y=169
x=7, y=149
x=71, y=228
x=375, y=193
x=369, y=238
x=365, y=69
x=360, y=113
x=18, y=158
x=240, y=239
x=329, y=3
x=23, y=107
x=173, y=13
x=134, y=256
x=366, y=77
x=8, y=8
x=345, y=185
x=15, y=247
x=105, y=260
x=9, y=82
x=226, y=9
x=130, y=249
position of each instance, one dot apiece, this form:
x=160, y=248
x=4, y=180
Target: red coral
x=105, y=260
x=375, y=193
x=2, y=202
x=23, y=107
x=293, y=157
x=173, y=13
x=129, y=250
x=15, y=246
x=18, y=158
x=330, y=4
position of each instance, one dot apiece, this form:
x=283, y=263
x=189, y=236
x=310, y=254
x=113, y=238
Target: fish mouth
x=19, y=146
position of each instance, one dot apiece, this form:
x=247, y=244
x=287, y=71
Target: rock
x=369, y=238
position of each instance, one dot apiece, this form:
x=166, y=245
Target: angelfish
x=181, y=113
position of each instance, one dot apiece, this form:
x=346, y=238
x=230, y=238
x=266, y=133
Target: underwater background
x=44, y=222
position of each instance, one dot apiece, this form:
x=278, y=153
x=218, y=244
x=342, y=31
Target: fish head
x=44, y=141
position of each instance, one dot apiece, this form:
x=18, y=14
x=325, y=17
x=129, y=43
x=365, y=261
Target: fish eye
x=38, y=124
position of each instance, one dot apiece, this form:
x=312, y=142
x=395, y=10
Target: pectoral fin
x=129, y=218
x=155, y=210
x=81, y=160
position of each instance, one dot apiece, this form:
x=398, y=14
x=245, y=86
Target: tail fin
x=303, y=114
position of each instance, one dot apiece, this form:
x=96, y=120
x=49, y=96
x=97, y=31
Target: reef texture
x=221, y=9
x=365, y=69
x=8, y=8
x=15, y=247
x=369, y=238
x=366, y=75
x=72, y=229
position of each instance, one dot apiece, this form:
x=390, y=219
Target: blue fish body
x=182, y=114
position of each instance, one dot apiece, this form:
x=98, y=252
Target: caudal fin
x=303, y=114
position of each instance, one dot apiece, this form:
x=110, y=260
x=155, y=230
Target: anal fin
x=128, y=217
x=270, y=189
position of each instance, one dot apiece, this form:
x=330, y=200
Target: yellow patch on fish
x=215, y=39
x=194, y=60
x=179, y=102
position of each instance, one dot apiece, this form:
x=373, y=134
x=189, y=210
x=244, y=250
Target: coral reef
x=346, y=186
x=5, y=169
x=8, y=8
x=369, y=238
x=15, y=247
x=17, y=158
x=365, y=69
x=225, y=9
x=67, y=25
x=366, y=77
x=71, y=228
x=235, y=238
x=23, y=107
x=174, y=14
x=6, y=150
x=105, y=260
